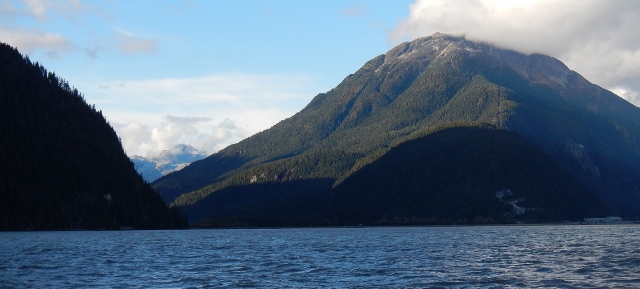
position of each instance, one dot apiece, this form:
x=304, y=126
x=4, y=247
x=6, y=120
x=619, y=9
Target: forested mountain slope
x=463, y=173
x=63, y=166
x=429, y=84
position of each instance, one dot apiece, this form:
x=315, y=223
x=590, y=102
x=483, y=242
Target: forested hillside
x=471, y=173
x=467, y=173
x=63, y=166
x=418, y=88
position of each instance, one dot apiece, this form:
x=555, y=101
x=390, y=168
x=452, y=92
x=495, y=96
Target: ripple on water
x=429, y=257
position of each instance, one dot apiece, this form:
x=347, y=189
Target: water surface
x=396, y=257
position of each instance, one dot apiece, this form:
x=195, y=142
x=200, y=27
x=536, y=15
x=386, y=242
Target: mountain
x=174, y=159
x=63, y=166
x=296, y=172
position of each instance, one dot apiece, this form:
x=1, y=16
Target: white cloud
x=7, y=9
x=218, y=135
x=174, y=130
x=46, y=10
x=37, y=8
x=30, y=40
x=630, y=95
x=598, y=39
x=128, y=43
x=33, y=26
x=135, y=137
x=151, y=115
x=200, y=132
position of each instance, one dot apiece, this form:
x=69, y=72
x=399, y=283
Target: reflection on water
x=399, y=257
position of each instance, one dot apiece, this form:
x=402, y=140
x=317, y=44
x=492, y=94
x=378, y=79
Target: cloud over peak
x=598, y=39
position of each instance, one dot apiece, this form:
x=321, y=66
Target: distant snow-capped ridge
x=171, y=160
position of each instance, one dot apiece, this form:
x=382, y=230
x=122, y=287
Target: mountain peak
x=180, y=149
x=537, y=68
x=413, y=90
x=437, y=44
x=440, y=35
x=173, y=159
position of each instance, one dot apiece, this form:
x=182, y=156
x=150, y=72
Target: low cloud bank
x=208, y=112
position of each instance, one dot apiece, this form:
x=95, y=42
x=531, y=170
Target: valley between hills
x=439, y=130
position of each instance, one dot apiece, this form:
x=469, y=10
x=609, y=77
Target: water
x=399, y=257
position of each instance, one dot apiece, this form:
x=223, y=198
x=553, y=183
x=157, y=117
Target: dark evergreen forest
x=62, y=165
x=448, y=175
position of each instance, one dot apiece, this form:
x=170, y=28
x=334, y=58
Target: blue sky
x=210, y=73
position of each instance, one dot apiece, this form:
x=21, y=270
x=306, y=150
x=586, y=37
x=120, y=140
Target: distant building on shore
x=607, y=220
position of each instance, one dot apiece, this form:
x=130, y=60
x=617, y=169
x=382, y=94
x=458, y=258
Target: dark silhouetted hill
x=62, y=164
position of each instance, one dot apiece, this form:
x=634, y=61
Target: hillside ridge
x=63, y=166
